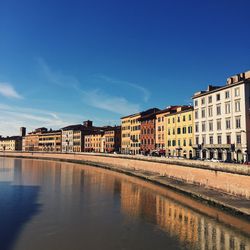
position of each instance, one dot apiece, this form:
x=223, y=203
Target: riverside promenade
x=226, y=186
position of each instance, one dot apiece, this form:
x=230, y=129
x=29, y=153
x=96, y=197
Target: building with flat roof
x=222, y=120
x=179, y=132
x=12, y=143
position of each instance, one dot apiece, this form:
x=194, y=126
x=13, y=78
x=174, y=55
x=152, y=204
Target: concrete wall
x=232, y=183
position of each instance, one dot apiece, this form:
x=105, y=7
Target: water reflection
x=88, y=208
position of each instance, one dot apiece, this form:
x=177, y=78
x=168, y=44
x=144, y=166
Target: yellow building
x=50, y=141
x=160, y=127
x=135, y=133
x=179, y=132
x=94, y=142
x=12, y=143
x=131, y=130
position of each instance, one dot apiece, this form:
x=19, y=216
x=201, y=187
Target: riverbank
x=219, y=187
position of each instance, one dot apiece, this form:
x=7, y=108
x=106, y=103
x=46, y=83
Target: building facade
x=50, y=141
x=222, y=120
x=31, y=140
x=148, y=122
x=94, y=142
x=160, y=128
x=13, y=143
x=112, y=139
x=179, y=132
x=73, y=136
x=130, y=134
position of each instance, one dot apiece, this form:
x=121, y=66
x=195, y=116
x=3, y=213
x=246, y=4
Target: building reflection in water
x=67, y=183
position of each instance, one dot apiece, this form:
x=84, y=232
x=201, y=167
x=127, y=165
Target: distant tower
x=22, y=131
x=88, y=123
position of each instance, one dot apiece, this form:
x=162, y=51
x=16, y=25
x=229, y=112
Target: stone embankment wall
x=229, y=178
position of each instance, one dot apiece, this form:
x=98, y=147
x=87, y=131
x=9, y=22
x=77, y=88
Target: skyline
x=62, y=64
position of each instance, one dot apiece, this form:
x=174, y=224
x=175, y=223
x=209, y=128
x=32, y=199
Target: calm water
x=51, y=205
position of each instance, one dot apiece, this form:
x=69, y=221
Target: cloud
x=145, y=92
x=114, y=104
x=8, y=90
x=56, y=77
x=13, y=117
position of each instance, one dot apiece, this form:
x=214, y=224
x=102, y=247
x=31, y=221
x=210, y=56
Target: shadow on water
x=17, y=206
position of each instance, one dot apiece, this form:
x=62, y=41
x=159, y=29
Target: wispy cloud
x=145, y=92
x=94, y=97
x=119, y=105
x=55, y=76
x=8, y=90
x=13, y=117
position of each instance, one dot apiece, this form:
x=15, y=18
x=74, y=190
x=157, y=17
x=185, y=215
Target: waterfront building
x=179, y=132
x=111, y=140
x=50, y=141
x=222, y=120
x=12, y=143
x=160, y=128
x=94, y=142
x=73, y=136
x=148, y=121
x=31, y=140
x=130, y=134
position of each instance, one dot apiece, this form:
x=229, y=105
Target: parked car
x=216, y=160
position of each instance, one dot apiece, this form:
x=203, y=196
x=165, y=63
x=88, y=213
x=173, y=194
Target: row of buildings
x=216, y=126
x=74, y=138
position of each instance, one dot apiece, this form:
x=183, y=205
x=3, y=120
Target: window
x=228, y=139
x=218, y=109
x=203, y=127
x=218, y=122
x=173, y=143
x=210, y=99
x=203, y=113
x=190, y=129
x=210, y=111
x=237, y=106
x=197, y=127
x=238, y=139
x=196, y=114
x=179, y=143
x=227, y=95
x=184, y=130
x=184, y=118
x=173, y=119
x=159, y=119
x=236, y=92
x=168, y=131
x=237, y=122
x=228, y=124
x=178, y=119
x=197, y=140
x=211, y=139
x=196, y=103
x=173, y=131
x=210, y=124
x=219, y=139
x=184, y=143
x=189, y=117
x=190, y=142
x=169, y=143
x=227, y=108
x=203, y=139
x=203, y=101
x=178, y=131
x=218, y=97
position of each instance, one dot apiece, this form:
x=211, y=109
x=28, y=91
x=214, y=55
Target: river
x=55, y=205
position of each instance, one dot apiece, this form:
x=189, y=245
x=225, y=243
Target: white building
x=222, y=120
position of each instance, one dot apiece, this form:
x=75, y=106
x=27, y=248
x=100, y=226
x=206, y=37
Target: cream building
x=179, y=132
x=222, y=120
x=50, y=141
x=12, y=143
x=130, y=133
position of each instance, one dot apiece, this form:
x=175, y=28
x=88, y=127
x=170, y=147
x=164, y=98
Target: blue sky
x=62, y=62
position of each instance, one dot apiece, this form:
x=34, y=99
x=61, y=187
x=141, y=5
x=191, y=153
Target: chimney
x=23, y=131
